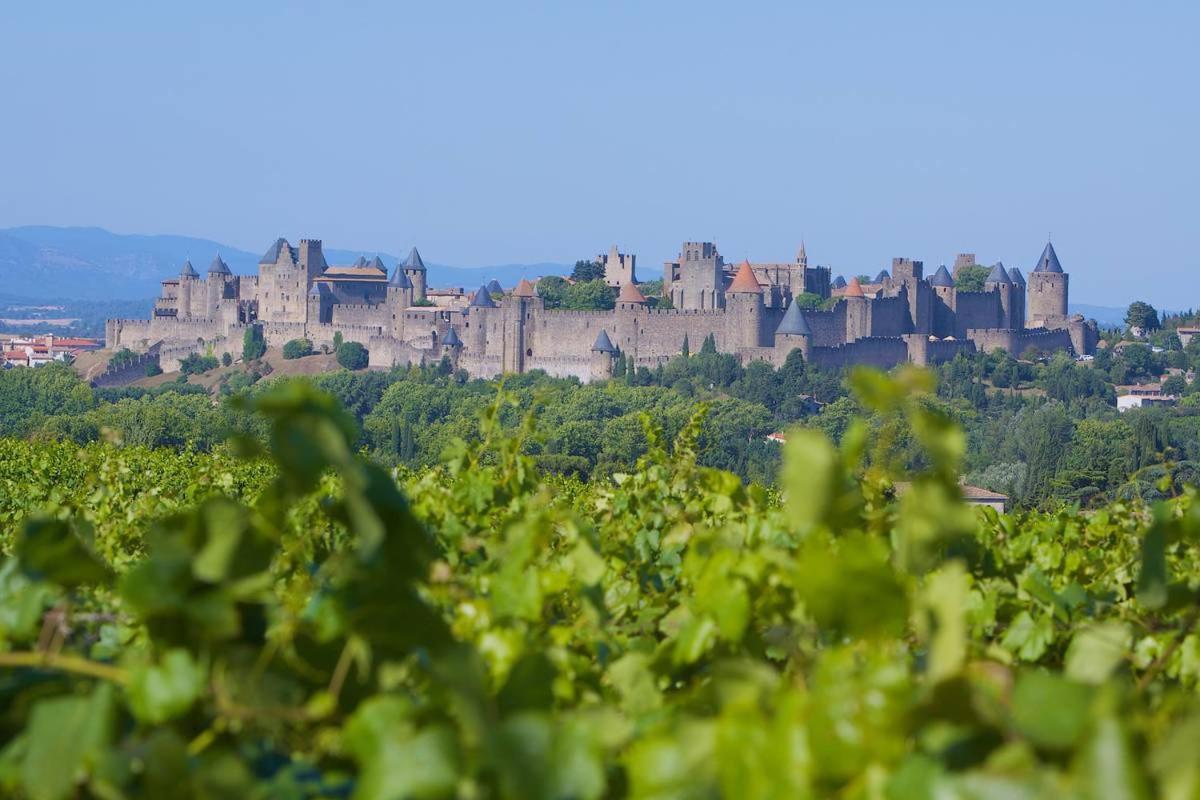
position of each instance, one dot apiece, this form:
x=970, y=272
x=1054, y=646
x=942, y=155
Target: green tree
x=253, y=345
x=809, y=301
x=226, y=359
x=587, y=271
x=971, y=279
x=1143, y=316
x=352, y=355
x=297, y=348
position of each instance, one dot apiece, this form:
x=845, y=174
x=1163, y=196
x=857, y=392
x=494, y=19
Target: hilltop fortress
x=749, y=310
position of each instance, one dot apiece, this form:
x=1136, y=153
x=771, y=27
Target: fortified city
x=747, y=309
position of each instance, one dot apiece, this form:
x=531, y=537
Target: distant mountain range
x=47, y=262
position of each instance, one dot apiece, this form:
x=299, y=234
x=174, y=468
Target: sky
x=489, y=133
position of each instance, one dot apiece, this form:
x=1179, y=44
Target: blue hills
x=47, y=262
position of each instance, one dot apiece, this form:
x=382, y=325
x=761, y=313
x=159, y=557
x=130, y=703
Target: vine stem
x=66, y=663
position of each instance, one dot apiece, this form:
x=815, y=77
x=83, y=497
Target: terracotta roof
x=745, y=282
x=854, y=288
x=524, y=289
x=630, y=294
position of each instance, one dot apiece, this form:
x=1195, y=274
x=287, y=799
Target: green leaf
x=1029, y=639
x=158, y=692
x=1108, y=766
x=1152, y=579
x=1051, y=710
x=810, y=475
x=1096, y=651
x=67, y=739
x=53, y=550
x=851, y=588
x=397, y=759
x=945, y=599
x=634, y=681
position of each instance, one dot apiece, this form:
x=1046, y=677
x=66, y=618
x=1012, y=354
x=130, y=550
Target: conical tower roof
x=494, y=287
x=452, y=339
x=524, y=289
x=839, y=282
x=414, y=260
x=941, y=277
x=744, y=281
x=361, y=261
x=482, y=299
x=630, y=293
x=882, y=276
x=378, y=264
x=1015, y=276
x=218, y=266
x=1049, y=261
x=603, y=343
x=854, y=288
x=314, y=290
x=998, y=275
x=793, y=322
x=399, y=279
x=188, y=271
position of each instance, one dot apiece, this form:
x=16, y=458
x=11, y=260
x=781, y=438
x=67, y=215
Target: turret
x=945, y=302
x=320, y=304
x=792, y=333
x=479, y=312
x=218, y=274
x=414, y=268
x=188, y=278
x=399, y=297
x=311, y=258
x=1018, y=298
x=1047, y=290
x=604, y=357
x=858, y=311
x=998, y=281
x=743, y=309
x=452, y=346
x=630, y=305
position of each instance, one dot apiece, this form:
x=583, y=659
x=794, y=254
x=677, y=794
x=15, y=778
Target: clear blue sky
x=502, y=132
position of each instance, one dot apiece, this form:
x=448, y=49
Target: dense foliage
x=297, y=348
x=352, y=355
x=188, y=625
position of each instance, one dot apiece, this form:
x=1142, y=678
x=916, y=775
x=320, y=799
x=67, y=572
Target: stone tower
x=1048, y=290
x=743, y=310
x=1018, y=298
x=518, y=314
x=479, y=314
x=604, y=357
x=630, y=305
x=188, y=280
x=945, y=297
x=793, y=332
x=858, y=311
x=999, y=282
x=701, y=278
x=414, y=268
x=311, y=258
x=399, y=297
x=218, y=275
x=618, y=267
x=452, y=347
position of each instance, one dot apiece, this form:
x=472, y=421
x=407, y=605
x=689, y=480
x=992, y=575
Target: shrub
x=152, y=369
x=297, y=348
x=352, y=355
x=226, y=359
x=196, y=364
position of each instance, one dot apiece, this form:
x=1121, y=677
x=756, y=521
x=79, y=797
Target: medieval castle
x=748, y=310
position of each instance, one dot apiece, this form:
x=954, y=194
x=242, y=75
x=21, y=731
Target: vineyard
x=283, y=617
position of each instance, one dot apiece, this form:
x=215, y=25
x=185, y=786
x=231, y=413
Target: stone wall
x=881, y=352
